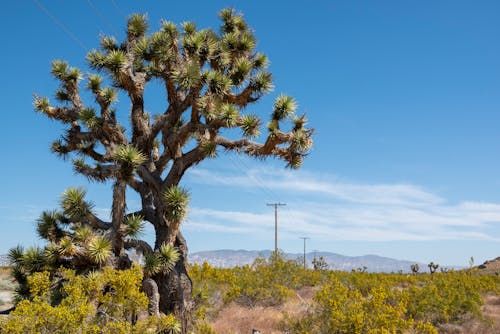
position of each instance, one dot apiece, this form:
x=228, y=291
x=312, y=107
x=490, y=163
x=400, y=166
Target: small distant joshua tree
x=471, y=263
x=433, y=267
x=362, y=269
x=415, y=268
x=319, y=263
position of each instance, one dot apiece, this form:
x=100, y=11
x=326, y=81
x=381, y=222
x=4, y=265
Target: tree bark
x=118, y=215
x=150, y=288
x=175, y=288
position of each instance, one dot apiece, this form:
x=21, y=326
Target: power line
x=118, y=8
x=101, y=17
x=62, y=26
x=258, y=181
x=276, y=224
x=241, y=165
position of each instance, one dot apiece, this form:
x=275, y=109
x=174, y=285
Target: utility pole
x=304, y=238
x=275, y=224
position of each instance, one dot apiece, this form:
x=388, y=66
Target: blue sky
x=404, y=97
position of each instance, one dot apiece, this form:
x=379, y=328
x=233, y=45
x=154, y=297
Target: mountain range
x=227, y=258
x=372, y=263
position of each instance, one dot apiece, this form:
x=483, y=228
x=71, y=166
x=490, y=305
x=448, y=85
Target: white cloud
x=387, y=194
x=331, y=209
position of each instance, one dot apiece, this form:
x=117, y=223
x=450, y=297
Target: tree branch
x=241, y=99
x=96, y=222
x=152, y=180
x=142, y=246
x=99, y=173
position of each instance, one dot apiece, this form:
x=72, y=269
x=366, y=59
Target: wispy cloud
x=329, y=208
x=387, y=194
x=20, y=214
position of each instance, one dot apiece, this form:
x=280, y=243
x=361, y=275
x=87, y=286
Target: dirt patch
x=236, y=319
x=491, y=308
x=6, y=289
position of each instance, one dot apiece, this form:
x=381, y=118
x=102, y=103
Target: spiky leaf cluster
x=74, y=205
x=134, y=226
x=24, y=263
x=99, y=249
x=128, y=158
x=176, y=201
x=161, y=261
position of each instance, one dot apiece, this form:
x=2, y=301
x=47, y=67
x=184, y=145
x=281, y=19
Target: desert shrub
x=106, y=302
x=449, y=297
x=270, y=282
x=267, y=282
x=340, y=308
x=209, y=287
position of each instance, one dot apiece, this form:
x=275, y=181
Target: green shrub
x=448, y=297
x=340, y=308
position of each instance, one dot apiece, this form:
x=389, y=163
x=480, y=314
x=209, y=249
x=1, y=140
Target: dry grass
x=491, y=309
x=5, y=271
x=236, y=319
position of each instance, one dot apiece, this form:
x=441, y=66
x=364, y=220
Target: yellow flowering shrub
x=342, y=309
x=108, y=302
x=449, y=297
x=267, y=282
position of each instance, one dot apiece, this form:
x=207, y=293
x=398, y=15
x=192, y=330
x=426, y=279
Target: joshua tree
x=320, y=263
x=415, y=268
x=210, y=79
x=433, y=267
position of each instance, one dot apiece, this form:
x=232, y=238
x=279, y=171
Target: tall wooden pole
x=304, y=238
x=276, y=224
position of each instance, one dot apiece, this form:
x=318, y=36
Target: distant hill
x=373, y=263
x=491, y=266
x=4, y=261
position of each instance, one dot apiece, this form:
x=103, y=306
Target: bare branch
x=241, y=99
x=98, y=173
x=141, y=246
x=152, y=180
x=96, y=222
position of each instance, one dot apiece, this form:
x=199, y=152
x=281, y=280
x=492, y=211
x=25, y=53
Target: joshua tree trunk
x=118, y=214
x=175, y=288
